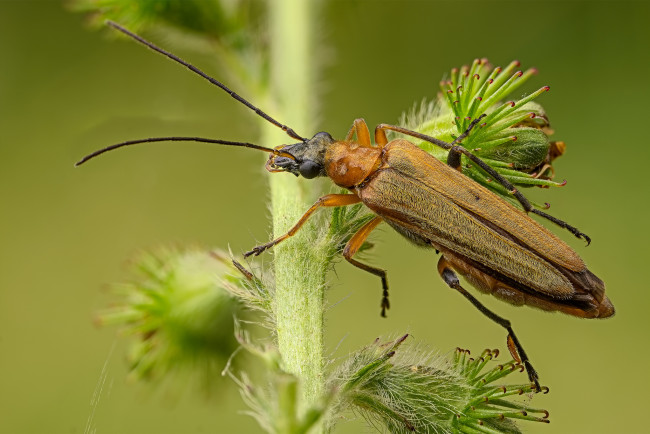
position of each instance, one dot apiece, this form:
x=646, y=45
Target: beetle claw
x=257, y=250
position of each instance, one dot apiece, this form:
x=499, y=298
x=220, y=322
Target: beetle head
x=306, y=159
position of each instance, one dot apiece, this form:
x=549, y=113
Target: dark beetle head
x=306, y=159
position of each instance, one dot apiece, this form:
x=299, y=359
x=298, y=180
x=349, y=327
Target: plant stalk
x=300, y=264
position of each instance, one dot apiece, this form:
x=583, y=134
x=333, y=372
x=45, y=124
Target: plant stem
x=300, y=264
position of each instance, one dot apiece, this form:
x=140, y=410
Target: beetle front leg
x=325, y=201
x=353, y=246
x=516, y=350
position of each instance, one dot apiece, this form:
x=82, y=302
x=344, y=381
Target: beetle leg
x=453, y=158
x=412, y=133
x=327, y=200
x=562, y=224
x=526, y=205
x=469, y=128
x=353, y=246
x=380, y=137
x=363, y=134
x=517, y=351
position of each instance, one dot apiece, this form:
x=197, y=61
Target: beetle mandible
x=496, y=247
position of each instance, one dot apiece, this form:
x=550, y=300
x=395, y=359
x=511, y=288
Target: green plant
x=395, y=386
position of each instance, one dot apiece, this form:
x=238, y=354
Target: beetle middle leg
x=525, y=203
x=353, y=246
x=328, y=200
x=517, y=351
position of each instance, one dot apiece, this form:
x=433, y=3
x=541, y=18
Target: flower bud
x=512, y=138
x=179, y=310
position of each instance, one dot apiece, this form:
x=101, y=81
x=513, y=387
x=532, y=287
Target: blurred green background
x=65, y=232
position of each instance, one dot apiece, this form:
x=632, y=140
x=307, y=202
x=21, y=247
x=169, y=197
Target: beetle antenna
x=182, y=139
x=217, y=83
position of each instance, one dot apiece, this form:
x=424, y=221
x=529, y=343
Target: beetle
x=496, y=247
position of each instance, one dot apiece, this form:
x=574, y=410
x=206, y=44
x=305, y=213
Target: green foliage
x=179, y=310
x=233, y=29
x=512, y=138
x=407, y=389
x=229, y=20
x=276, y=406
x=489, y=407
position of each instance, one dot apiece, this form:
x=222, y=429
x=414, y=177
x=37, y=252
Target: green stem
x=300, y=265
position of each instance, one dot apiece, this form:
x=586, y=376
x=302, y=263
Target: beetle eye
x=309, y=169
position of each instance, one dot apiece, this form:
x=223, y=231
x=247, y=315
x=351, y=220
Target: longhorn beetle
x=496, y=247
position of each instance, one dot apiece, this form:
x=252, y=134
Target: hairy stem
x=299, y=265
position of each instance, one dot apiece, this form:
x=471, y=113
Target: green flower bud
x=526, y=147
x=411, y=390
x=513, y=137
x=180, y=310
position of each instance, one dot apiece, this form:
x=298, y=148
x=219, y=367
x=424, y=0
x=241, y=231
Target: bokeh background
x=65, y=233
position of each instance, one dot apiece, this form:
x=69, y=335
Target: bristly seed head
x=407, y=389
x=515, y=155
x=180, y=311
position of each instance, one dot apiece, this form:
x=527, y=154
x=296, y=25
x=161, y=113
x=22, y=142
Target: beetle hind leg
x=517, y=351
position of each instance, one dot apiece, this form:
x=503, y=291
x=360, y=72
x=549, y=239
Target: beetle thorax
x=348, y=164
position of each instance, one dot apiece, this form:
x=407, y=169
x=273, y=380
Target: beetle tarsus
x=469, y=128
x=532, y=376
x=564, y=225
x=257, y=250
x=385, y=304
